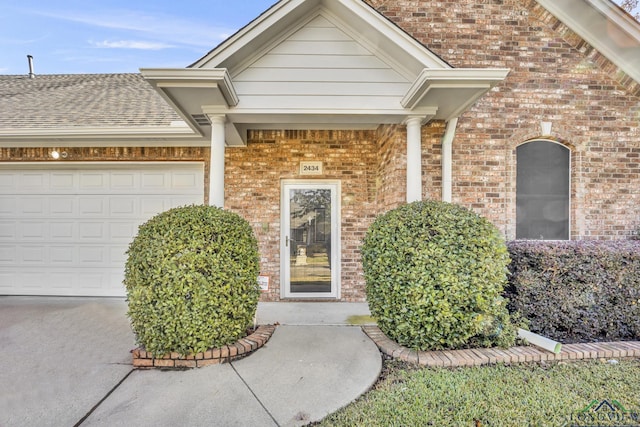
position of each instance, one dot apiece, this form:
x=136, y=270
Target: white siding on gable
x=320, y=67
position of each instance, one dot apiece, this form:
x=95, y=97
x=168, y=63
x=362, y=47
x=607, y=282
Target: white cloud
x=131, y=44
x=163, y=28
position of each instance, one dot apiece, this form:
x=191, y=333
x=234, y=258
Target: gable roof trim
x=370, y=28
x=606, y=27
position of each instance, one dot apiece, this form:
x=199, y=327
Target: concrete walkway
x=67, y=362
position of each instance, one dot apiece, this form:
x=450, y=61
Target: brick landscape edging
x=214, y=356
x=486, y=356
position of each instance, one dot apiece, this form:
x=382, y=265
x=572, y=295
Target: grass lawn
x=516, y=395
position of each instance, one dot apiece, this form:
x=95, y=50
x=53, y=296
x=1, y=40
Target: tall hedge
x=434, y=275
x=577, y=291
x=192, y=280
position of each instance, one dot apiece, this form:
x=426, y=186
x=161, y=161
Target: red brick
x=164, y=363
x=453, y=360
x=142, y=363
x=186, y=363
x=225, y=352
x=483, y=356
x=502, y=356
x=207, y=362
x=427, y=358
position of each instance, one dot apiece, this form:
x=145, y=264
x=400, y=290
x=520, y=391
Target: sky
x=115, y=36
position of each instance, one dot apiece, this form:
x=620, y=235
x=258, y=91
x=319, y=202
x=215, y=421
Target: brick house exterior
x=549, y=82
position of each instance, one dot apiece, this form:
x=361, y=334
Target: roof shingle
x=81, y=100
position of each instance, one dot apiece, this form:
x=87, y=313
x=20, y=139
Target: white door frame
x=285, y=270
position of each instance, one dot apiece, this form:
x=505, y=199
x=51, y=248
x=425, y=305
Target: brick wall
x=556, y=77
x=253, y=185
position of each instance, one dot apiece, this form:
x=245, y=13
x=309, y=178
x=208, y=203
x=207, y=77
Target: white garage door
x=64, y=229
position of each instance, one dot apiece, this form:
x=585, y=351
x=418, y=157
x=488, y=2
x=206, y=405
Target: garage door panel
x=124, y=206
x=128, y=182
x=61, y=181
x=8, y=206
x=93, y=206
x=181, y=201
x=33, y=230
x=92, y=231
x=8, y=231
x=8, y=256
x=154, y=181
x=33, y=255
x=96, y=255
x=121, y=232
x=63, y=255
x=8, y=183
x=63, y=205
x=32, y=206
x=93, y=182
x=66, y=231
x=183, y=181
x=34, y=181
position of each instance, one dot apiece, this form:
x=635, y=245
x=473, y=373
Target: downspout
x=447, y=159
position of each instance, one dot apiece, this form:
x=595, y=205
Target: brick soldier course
x=225, y=354
x=490, y=356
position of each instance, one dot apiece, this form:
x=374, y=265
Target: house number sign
x=310, y=168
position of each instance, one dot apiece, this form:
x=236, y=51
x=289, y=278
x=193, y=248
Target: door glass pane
x=310, y=240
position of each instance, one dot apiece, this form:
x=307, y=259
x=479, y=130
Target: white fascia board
x=254, y=31
x=100, y=132
x=481, y=78
x=205, y=78
x=359, y=10
x=590, y=20
x=288, y=15
x=318, y=116
x=621, y=18
x=102, y=137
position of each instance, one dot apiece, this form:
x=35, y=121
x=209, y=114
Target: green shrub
x=191, y=280
x=578, y=291
x=434, y=276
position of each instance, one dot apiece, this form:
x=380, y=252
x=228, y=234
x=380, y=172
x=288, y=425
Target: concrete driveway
x=67, y=362
x=59, y=357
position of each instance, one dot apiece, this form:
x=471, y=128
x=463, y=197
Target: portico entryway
x=325, y=81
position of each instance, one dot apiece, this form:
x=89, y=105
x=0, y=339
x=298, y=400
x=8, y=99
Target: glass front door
x=310, y=259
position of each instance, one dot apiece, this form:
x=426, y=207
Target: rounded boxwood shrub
x=191, y=279
x=435, y=273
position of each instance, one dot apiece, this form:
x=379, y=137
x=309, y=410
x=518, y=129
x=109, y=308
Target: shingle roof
x=81, y=100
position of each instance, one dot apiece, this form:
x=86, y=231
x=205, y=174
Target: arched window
x=542, y=192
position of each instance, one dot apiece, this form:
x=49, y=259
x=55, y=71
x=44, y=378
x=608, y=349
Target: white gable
x=320, y=67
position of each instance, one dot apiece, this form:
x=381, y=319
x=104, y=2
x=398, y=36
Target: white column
x=447, y=159
x=216, y=166
x=414, y=159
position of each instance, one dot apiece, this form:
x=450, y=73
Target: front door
x=310, y=239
